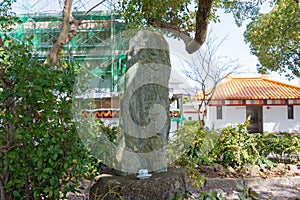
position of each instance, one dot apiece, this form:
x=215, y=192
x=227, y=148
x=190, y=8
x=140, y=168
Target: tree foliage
x=41, y=156
x=39, y=148
x=274, y=38
x=187, y=17
x=7, y=17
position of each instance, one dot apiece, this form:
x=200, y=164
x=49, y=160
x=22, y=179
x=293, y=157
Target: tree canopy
x=185, y=16
x=274, y=38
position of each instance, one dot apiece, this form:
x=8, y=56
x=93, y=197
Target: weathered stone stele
x=144, y=125
x=144, y=115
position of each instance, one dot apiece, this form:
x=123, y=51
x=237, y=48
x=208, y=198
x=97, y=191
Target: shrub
x=42, y=157
x=281, y=146
x=194, y=150
x=236, y=147
x=200, y=143
x=198, y=151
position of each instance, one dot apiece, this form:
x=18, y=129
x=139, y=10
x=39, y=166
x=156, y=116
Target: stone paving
x=279, y=188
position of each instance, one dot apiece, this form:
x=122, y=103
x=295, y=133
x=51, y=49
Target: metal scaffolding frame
x=98, y=41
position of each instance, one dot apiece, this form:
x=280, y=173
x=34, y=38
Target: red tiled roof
x=255, y=88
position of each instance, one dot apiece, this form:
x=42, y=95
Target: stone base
x=159, y=186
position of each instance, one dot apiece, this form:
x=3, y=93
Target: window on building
x=219, y=112
x=290, y=111
x=286, y=101
x=273, y=101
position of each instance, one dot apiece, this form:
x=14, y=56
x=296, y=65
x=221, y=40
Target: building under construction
x=99, y=44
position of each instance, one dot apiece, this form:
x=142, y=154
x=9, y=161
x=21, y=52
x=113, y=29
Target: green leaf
x=240, y=187
x=16, y=194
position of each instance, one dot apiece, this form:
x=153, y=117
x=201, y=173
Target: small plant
x=198, y=178
x=202, y=196
x=177, y=196
x=110, y=131
x=210, y=196
x=111, y=194
x=264, y=162
x=281, y=146
x=202, y=144
x=246, y=193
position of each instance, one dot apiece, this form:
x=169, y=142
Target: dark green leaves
x=274, y=38
x=38, y=141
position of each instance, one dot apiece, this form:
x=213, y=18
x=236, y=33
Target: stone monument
x=144, y=117
x=144, y=125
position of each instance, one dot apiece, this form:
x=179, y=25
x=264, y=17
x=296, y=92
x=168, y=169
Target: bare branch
x=208, y=72
x=86, y=12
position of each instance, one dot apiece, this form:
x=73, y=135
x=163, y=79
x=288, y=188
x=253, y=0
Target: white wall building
x=274, y=106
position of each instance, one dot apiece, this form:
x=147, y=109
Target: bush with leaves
x=203, y=142
x=282, y=146
x=236, y=147
x=41, y=156
x=194, y=151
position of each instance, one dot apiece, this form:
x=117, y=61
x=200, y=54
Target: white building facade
x=273, y=106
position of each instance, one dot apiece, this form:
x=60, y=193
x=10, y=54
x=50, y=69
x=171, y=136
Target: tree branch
x=68, y=31
x=202, y=19
x=53, y=55
x=86, y=12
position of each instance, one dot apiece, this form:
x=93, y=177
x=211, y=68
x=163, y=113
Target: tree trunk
x=67, y=33
x=202, y=19
x=54, y=53
x=2, y=191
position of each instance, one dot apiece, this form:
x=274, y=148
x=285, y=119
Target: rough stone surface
x=159, y=186
x=255, y=170
x=144, y=115
x=293, y=169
